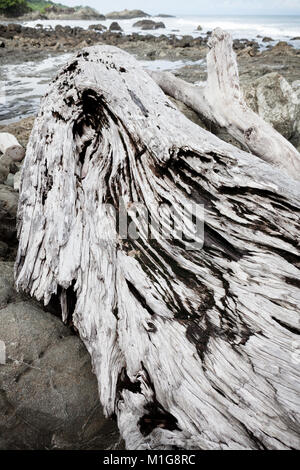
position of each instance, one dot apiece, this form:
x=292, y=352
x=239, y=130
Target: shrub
x=13, y=7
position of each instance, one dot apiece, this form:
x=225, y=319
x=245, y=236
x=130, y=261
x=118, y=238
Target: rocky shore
x=16, y=39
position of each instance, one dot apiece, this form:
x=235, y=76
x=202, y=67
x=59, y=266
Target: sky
x=196, y=7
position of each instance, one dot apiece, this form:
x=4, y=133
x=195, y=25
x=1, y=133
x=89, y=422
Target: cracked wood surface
x=192, y=348
x=220, y=100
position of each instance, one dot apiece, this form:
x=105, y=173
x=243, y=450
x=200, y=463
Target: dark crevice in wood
x=138, y=102
x=71, y=297
x=155, y=415
x=254, y=439
x=293, y=281
x=263, y=193
x=124, y=383
x=47, y=187
x=139, y=297
x=290, y=328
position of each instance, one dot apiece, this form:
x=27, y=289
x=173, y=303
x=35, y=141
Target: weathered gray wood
x=221, y=101
x=192, y=348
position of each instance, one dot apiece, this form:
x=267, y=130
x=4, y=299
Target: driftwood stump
x=192, y=348
x=220, y=101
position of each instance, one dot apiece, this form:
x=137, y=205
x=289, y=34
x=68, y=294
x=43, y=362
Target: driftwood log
x=192, y=348
x=220, y=101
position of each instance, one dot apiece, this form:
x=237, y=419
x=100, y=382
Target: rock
x=97, y=27
x=48, y=393
x=126, y=14
x=17, y=181
x=2, y=44
x=296, y=38
x=14, y=28
x=4, y=168
x=87, y=13
x=3, y=249
x=163, y=15
x=115, y=27
x=199, y=28
x=10, y=180
x=82, y=13
x=185, y=41
x=296, y=137
x=267, y=39
x=8, y=211
x=282, y=48
x=148, y=25
x=247, y=51
x=82, y=44
x=20, y=129
x=275, y=101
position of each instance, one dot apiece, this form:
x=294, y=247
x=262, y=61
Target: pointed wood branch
x=192, y=348
x=221, y=102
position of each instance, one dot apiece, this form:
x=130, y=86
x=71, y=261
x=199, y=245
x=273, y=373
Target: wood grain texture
x=220, y=100
x=192, y=349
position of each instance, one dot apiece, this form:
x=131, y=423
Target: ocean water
x=23, y=84
x=276, y=27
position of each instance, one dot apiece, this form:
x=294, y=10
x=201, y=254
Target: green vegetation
x=19, y=7
x=13, y=7
x=41, y=5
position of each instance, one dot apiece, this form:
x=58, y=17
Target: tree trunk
x=221, y=101
x=193, y=348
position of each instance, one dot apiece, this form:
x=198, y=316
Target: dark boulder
x=149, y=24
x=115, y=27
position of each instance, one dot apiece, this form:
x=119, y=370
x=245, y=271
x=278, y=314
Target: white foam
x=278, y=27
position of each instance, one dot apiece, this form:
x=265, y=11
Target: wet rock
x=115, y=27
x=8, y=211
x=14, y=27
x=272, y=97
x=48, y=393
x=97, y=27
x=267, y=39
x=4, y=168
x=2, y=44
x=3, y=249
x=199, y=28
x=149, y=25
x=185, y=41
x=10, y=180
x=248, y=51
x=163, y=15
x=282, y=48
